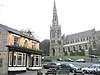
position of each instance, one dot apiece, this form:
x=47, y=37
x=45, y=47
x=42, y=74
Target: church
x=83, y=43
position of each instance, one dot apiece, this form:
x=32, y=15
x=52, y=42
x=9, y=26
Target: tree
x=44, y=46
x=28, y=32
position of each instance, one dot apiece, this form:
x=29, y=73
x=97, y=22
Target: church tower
x=56, y=47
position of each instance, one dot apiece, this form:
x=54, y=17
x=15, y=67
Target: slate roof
x=16, y=32
x=81, y=34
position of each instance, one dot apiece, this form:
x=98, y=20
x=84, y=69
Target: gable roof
x=16, y=32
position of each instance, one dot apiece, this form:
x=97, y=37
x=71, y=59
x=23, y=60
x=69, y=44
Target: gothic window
x=53, y=35
x=74, y=48
x=93, y=38
x=53, y=41
x=68, y=49
x=86, y=46
x=83, y=39
x=55, y=18
x=79, y=47
x=94, y=45
x=68, y=42
x=87, y=39
x=59, y=42
x=58, y=34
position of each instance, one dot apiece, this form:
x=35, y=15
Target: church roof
x=81, y=34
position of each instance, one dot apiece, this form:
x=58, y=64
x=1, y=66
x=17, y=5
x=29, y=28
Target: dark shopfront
x=22, y=59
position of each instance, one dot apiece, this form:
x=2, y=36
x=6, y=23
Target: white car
x=91, y=69
x=80, y=60
x=73, y=66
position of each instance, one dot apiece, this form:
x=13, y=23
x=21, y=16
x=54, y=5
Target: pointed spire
x=54, y=8
x=55, y=17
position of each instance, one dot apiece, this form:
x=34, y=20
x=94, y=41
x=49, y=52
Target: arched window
x=79, y=47
x=86, y=46
x=68, y=49
x=74, y=48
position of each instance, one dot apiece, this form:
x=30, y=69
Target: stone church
x=56, y=44
x=82, y=43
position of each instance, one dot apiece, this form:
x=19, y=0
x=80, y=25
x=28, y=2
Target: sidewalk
x=28, y=73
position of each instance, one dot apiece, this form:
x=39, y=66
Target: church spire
x=55, y=17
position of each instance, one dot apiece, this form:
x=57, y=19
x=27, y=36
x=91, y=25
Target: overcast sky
x=73, y=15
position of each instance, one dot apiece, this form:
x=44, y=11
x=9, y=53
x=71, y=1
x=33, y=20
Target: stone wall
x=3, y=52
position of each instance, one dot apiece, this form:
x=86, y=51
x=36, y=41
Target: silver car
x=91, y=69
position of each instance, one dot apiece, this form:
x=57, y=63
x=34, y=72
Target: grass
x=88, y=59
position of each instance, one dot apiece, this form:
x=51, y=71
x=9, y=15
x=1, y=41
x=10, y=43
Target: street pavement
x=43, y=73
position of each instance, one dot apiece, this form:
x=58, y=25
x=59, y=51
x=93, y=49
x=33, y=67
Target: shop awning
x=24, y=50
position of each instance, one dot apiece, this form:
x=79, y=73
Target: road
x=43, y=71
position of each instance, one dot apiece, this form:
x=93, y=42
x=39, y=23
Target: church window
x=53, y=35
x=59, y=42
x=68, y=49
x=74, y=48
x=87, y=39
x=53, y=41
x=94, y=45
x=83, y=39
x=86, y=46
x=93, y=38
x=79, y=47
x=58, y=34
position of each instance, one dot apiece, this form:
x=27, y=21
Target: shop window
x=40, y=60
x=15, y=59
x=24, y=59
x=10, y=58
x=30, y=61
x=33, y=61
x=37, y=60
x=19, y=59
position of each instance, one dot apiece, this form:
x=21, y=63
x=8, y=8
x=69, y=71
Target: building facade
x=18, y=51
x=82, y=43
x=56, y=45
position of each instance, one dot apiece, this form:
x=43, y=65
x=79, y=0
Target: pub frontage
x=19, y=51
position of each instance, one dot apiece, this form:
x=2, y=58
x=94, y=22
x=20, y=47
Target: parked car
x=51, y=65
x=80, y=60
x=69, y=60
x=51, y=71
x=92, y=56
x=63, y=68
x=92, y=68
x=69, y=67
x=99, y=60
x=59, y=59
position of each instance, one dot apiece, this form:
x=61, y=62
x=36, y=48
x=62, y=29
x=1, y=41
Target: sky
x=73, y=15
